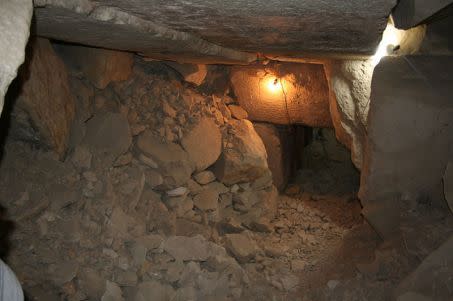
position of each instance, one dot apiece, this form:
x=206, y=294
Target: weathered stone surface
x=216, y=186
x=154, y=290
x=132, y=33
x=125, y=278
x=177, y=191
x=258, y=203
x=120, y=221
x=14, y=32
x=263, y=182
x=290, y=93
x=277, y=151
x=63, y=272
x=81, y=157
x=151, y=241
x=148, y=161
x=448, y=184
x=409, y=14
x=182, y=206
x=349, y=98
x=100, y=66
x=411, y=296
x=112, y=292
x=92, y=283
x=184, y=248
x=245, y=159
x=203, y=143
x=50, y=107
x=207, y=200
x=298, y=265
x=350, y=87
x=153, y=178
x=238, y=112
x=242, y=246
x=269, y=202
x=108, y=136
x=204, y=177
x=161, y=219
x=432, y=276
x=411, y=168
x=194, y=74
x=172, y=160
x=180, y=32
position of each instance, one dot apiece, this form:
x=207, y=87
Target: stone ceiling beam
x=410, y=13
x=218, y=31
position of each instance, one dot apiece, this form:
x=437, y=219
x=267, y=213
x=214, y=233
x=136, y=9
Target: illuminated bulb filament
x=274, y=86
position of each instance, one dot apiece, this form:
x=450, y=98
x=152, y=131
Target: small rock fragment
x=297, y=265
x=168, y=109
x=275, y=250
x=153, y=178
x=241, y=246
x=204, y=177
x=125, y=278
x=206, y=200
x=138, y=253
x=177, y=192
x=81, y=157
x=238, y=112
x=112, y=292
x=292, y=189
x=332, y=284
x=184, y=248
x=151, y=241
x=123, y=160
x=290, y=282
x=148, y=161
x=63, y=272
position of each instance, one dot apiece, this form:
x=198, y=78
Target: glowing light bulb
x=273, y=85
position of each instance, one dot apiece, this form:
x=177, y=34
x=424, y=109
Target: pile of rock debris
x=163, y=193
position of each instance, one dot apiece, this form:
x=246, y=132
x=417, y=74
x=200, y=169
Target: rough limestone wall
x=14, y=31
x=300, y=95
x=408, y=144
x=45, y=104
x=350, y=86
x=349, y=100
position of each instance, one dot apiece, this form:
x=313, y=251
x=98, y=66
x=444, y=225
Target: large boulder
x=244, y=157
x=241, y=246
x=290, y=93
x=410, y=126
x=278, y=154
x=45, y=96
x=203, y=143
x=14, y=32
x=100, y=66
x=350, y=87
x=349, y=100
x=431, y=280
x=172, y=161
